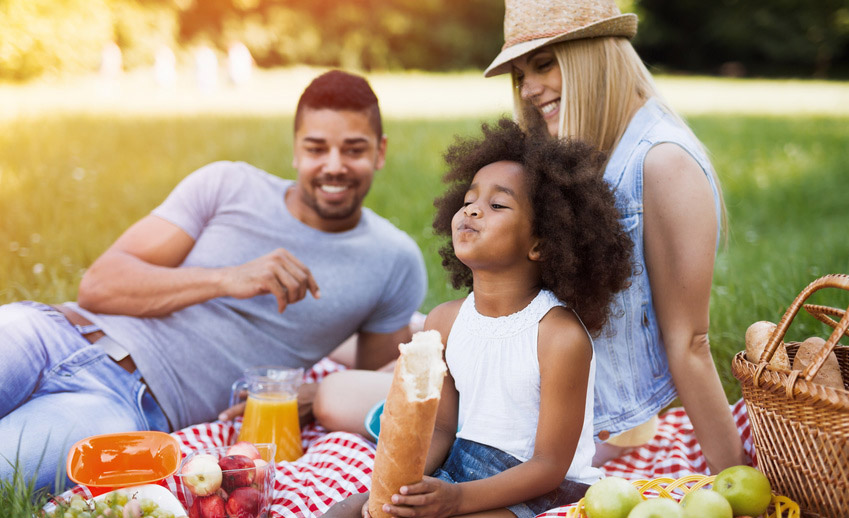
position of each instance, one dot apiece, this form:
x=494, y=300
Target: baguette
x=409, y=416
x=757, y=337
x=829, y=374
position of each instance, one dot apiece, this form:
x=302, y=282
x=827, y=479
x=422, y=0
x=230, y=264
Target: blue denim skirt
x=469, y=460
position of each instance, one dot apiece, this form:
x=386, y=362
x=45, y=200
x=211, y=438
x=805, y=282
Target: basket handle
x=822, y=313
x=840, y=328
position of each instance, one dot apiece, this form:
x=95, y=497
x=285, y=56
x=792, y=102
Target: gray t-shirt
x=372, y=278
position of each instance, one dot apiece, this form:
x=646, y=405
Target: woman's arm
x=680, y=245
x=565, y=353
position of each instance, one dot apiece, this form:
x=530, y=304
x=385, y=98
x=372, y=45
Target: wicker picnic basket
x=801, y=428
x=676, y=489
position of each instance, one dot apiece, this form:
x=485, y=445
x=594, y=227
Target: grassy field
x=79, y=164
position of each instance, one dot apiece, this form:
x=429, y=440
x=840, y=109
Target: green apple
x=657, y=508
x=704, y=503
x=611, y=497
x=746, y=489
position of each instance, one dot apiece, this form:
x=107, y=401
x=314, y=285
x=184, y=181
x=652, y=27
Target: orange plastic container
x=111, y=461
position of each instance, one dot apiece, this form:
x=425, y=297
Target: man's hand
x=431, y=497
x=279, y=273
x=233, y=412
x=306, y=395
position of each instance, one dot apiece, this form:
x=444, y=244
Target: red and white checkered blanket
x=339, y=464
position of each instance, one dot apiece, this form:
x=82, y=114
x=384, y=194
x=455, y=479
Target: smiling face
x=336, y=154
x=537, y=75
x=493, y=228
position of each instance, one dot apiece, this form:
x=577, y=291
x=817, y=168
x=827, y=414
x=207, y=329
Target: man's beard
x=331, y=211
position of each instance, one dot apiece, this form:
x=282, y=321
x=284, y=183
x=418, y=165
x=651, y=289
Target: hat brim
x=622, y=25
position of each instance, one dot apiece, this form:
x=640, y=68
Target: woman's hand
x=431, y=497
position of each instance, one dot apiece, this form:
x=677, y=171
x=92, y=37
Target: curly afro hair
x=585, y=252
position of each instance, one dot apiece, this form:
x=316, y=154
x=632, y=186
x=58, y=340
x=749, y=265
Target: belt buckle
x=112, y=348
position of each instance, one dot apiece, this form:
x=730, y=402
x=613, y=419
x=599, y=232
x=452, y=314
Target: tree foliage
x=762, y=36
x=360, y=34
x=67, y=36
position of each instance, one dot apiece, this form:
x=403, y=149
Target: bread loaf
x=757, y=337
x=409, y=415
x=829, y=374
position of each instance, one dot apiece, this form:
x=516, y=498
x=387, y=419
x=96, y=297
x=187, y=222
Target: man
x=236, y=268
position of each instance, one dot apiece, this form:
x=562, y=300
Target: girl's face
x=493, y=228
x=538, y=78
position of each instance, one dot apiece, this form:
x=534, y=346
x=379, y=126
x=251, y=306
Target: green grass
x=785, y=181
x=20, y=498
x=72, y=180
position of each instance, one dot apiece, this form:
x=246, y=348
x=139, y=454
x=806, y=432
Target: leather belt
x=112, y=348
x=80, y=322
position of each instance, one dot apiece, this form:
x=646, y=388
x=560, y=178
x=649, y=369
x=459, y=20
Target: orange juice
x=273, y=418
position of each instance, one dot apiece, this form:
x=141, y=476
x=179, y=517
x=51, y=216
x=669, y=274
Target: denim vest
x=633, y=381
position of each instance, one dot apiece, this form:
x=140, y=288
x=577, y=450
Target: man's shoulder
x=395, y=248
x=226, y=170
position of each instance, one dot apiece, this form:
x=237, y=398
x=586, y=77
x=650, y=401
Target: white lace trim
x=499, y=327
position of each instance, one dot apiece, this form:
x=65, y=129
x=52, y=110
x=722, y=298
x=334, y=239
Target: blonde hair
x=604, y=83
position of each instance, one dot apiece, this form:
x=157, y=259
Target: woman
x=573, y=65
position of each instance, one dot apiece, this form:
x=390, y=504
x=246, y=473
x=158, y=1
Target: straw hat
x=531, y=24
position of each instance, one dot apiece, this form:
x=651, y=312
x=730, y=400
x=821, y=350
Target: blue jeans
x=56, y=388
x=469, y=460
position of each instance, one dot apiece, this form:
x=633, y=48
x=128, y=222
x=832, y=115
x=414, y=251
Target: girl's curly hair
x=585, y=252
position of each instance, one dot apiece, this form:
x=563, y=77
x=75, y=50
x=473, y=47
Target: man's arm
x=140, y=275
x=375, y=350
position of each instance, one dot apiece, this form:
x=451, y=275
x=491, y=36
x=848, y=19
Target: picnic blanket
x=338, y=464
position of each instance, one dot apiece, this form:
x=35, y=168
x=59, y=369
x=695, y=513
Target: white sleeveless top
x=495, y=367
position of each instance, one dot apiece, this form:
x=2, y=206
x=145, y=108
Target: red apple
x=211, y=506
x=237, y=471
x=202, y=475
x=261, y=470
x=194, y=510
x=244, y=448
x=243, y=503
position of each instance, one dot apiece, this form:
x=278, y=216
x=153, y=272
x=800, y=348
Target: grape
x=148, y=506
x=78, y=503
x=112, y=505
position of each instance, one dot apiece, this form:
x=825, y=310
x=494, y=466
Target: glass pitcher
x=271, y=414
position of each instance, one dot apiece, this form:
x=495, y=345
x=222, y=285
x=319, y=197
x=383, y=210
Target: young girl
x=535, y=236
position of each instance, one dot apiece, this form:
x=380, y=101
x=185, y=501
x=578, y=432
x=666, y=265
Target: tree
x=767, y=36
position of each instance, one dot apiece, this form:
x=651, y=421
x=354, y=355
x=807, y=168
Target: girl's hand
x=431, y=497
